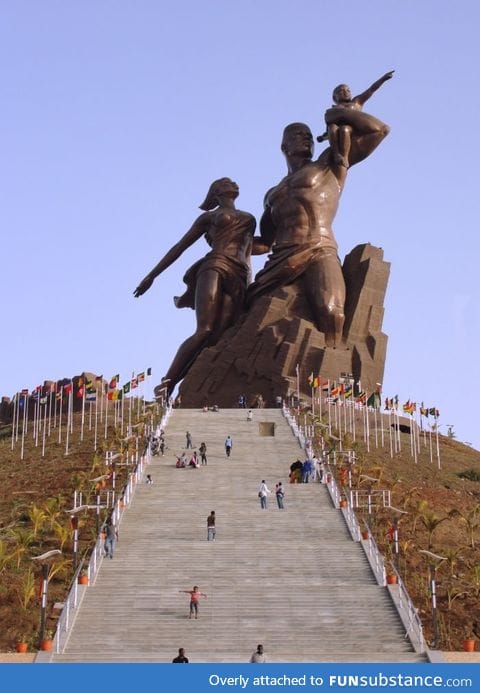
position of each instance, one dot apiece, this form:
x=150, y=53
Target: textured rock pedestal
x=259, y=355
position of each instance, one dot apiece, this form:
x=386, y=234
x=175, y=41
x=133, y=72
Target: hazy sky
x=117, y=115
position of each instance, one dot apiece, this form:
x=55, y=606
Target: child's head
x=341, y=94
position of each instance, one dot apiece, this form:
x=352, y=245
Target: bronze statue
x=216, y=284
x=338, y=133
x=298, y=215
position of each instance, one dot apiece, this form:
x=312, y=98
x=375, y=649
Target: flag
x=434, y=412
x=126, y=388
x=68, y=388
x=35, y=394
x=387, y=403
x=114, y=395
x=43, y=400
x=89, y=385
x=374, y=401
x=58, y=396
x=361, y=397
x=98, y=378
x=149, y=371
x=80, y=391
x=134, y=383
x=310, y=379
x=316, y=382
x=348, y=391
x=141, y=377
x=91, y=396
x=113, y=382
x=409, y=407
x=24, y=393
x=423, y=410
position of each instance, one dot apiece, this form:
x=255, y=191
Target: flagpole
x=24, y=427
x=83, y=407
x=96, y=420
x=44, y=429
x=14, y=418
x=298, y=387
x=60, y=414
x=69, y=416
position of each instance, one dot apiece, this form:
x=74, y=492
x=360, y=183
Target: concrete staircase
x=292, y=580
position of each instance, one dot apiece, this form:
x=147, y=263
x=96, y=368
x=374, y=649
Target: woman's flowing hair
x=211, y=201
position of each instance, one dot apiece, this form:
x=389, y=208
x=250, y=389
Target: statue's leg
x=325, y=290
x=208, y=303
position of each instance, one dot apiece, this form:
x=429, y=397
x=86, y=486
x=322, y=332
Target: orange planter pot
x=46, y=645
x=344, y=503
x=391, y=579
x=365, y=534
x=83, y=579
x=21, y=647
x=469, y=645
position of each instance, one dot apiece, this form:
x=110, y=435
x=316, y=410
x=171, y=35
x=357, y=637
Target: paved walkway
x=292, y=579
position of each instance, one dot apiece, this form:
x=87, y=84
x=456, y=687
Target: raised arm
x=199, y=227
x=367, y=132
x=365, y=95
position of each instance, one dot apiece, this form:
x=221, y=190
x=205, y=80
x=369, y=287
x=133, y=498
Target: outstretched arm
x=365, y=95
x=198, y=228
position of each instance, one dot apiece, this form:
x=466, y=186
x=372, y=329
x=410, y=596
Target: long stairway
x=290, y=579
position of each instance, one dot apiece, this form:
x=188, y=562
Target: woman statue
x=216, y=284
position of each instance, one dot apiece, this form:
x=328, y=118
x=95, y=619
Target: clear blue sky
x=117, y=115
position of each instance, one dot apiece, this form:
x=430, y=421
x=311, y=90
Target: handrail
x=76, y=592
x=404, y=605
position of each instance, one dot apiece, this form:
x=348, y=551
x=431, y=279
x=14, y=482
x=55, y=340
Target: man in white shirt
x=263, y=492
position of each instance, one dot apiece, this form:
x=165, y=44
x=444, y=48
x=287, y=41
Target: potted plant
x=469, y=643
x=22, y=644
x=47, y=643
x=83, y=578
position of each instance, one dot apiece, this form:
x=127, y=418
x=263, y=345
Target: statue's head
x=223, y=187
x=342, y=94
x=297, y=140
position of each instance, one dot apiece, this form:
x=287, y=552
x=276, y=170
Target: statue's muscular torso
x=303, y=205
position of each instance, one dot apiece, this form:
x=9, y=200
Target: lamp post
x=45, y=566
x=434, y=561
x=74, y=525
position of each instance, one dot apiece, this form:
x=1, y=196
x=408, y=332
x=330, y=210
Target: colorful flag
x=80, y=391
x=423, y=410
x=141, y=377
x=149, y=371
x=434, y=412
x=134, y=383
x=68, y=388
x=361, y=397
x=91, y=396
x=24, y=393
x=348, y=391
x=43, y=400
x=126, y=388
x=58, y=396
x=98, y=378
x=374, y=401
x=409, y=407
x=310, y=379
x=114, y=382
x=89, y=385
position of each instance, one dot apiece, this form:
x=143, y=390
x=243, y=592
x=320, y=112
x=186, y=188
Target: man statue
x=298, y=215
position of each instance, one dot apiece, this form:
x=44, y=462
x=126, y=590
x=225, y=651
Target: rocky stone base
x=259, y=355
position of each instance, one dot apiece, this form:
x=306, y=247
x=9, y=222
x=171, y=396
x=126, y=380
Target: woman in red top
x=195, y=595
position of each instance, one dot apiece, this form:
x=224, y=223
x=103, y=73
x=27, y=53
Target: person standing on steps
x=228, y=445
x=258, y=657
x=211, y=530
x=188, y=436
x=111, y=537
x=195, y=596
x=279, y=494
x=181, y=659
x=263, y=493
x=203, y=453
